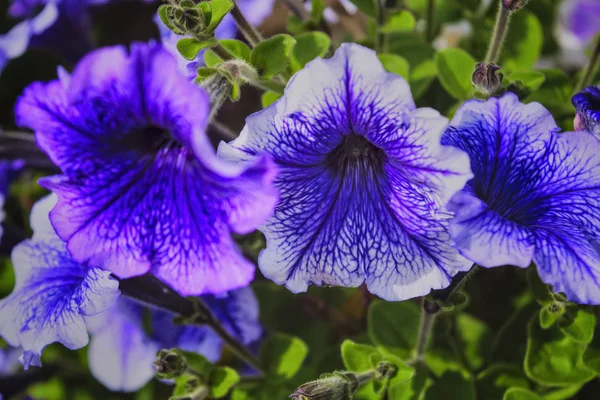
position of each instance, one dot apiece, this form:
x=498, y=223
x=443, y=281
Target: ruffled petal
x=363, y=181
x=120, y=352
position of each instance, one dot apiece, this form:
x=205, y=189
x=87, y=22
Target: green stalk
x=591, y=68
x=502, y=23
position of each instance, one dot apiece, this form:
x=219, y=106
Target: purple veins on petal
x=122, y=350
x=52, y=293
x=535, y=195
x=587, y=104
x=142, y=189
x=363, y=181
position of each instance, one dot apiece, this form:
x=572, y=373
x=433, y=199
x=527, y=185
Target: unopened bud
x=333, y=387
x=187, y=17
x=486, y=77
x=514, y=5
x=385, y=370
x=170, y=364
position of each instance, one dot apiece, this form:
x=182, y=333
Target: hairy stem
x=150, y=290
x=222, y=52
x=252, y=35
x=297, y=8
x=590, y=70
x=430, y=17
x=428, y=316
x=380, y=16
x=502, y=23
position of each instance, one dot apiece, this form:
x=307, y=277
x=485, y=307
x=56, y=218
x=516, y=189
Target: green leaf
x=395, y=64
x=524, y=41
x=421, y=77
x=198, y=363
x=532, y=80
x=316, y=10
x=190, y=47
x=414, y=389
x=271, y=56
x=222, y=380
x=520, y=394
x=541, y=291
x=510, y=342
x=237, y=48
x=476, y=339
x=550, y=313
x=565, y=393
x=455, y=69
x=53, y=389
x=493, y=382
x=403, y=21
x=591, y=357
x=394, y=325
x=269, y=98
x=309, y=46
x=581, y=327
x=553, y=358
x=283, y=355
x=366, y=6
x=219, y=9
x=360, y=358
x=451, y=386
x=185, y=383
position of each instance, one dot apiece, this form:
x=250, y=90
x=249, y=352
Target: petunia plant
x=324, y=199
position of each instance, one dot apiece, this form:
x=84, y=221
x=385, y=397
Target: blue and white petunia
x=363, y=180
x=52, y=293
x=121, y=351
x=587, y=104
x=535, y=195
x=142, y=189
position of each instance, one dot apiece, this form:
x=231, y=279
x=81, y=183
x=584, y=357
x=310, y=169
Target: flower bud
x=187, y=17
x=486, y=78
x=514, y=5
x=333, y=387
x=170, y=364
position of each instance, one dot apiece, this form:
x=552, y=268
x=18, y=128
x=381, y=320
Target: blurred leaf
x=219, y=9
x=189, y=47
x=591, y=357
x=439, y=361
x=550, y=313
x=283, y=355
x=553, y=358
x=53, y=389
x=451, y=386
x=510, y=342
x=520, y=394
x=7, y=277
x=414, y=389
x=581, y=328
x=198, y=363
x=540, y=290
x=523, y=43
x=493, y=382
x=316, y=10
x=455, y=69
x=403, y=21
x=394, y=325
x=476, y=339
x=271, y=56
x=562, y=393
x=222, y=379
x=269, y=98
x=366, y=6
x=309, y=46
x=532, y=80
x=360, y=358
x=421, y=77
x=395, y=64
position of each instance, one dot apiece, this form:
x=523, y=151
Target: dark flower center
x=151, y=138
x=355, y=151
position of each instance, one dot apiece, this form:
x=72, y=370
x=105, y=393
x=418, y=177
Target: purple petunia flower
x=255, y=12
x=363, y=181
x=52, y=293
x=579, y=21
x=121, y=351
x=14, y=43
x=535, y=195
x=142, y=189
x=587, y=104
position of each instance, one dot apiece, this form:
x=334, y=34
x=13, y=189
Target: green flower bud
x=170, y=364
x=334, y=387
x=187, y=18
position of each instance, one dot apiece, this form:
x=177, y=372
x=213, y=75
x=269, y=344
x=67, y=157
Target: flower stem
x=252, y=35
x=430, y=16
x=591, y=68
x=430, y=311
x=298, y=9
x=380, y=17
x=502, y=23
x=222, y=52
x=150, y=290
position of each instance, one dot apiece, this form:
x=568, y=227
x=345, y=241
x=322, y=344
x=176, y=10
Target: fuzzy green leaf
x=309, y=46
x=271, y=56
x=394, y=325
x=395, y=64
x=269, y=98
x=581, y=327
x=403, y=21
x=222, y=379
x=190, y=47
x=283, y=355
x=455, y=69
x=219, y=9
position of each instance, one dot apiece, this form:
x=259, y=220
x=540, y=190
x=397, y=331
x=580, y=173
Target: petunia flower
x=587, y=104
x=363, y=181
x=535, y=195
x=15, y=42
x=579, y=21
x=52, y=293
x=142, y=189
x=121, y=351
x=255, y=12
